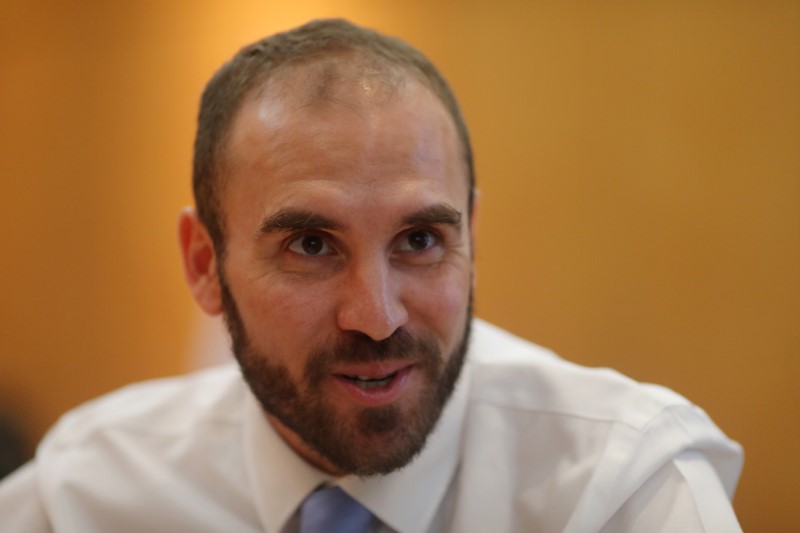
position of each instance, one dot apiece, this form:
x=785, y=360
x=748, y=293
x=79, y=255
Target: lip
x=377, y=396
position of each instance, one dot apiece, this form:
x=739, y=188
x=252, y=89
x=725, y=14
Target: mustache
x=354, y=347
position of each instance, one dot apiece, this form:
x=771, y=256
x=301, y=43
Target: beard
x=367, y=441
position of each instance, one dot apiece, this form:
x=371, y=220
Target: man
x=334, y=232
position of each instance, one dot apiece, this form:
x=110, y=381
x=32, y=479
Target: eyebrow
x=440, y=213
x=297, y=220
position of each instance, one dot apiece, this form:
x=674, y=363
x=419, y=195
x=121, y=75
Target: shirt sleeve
x=21, y=507
x=683, y=496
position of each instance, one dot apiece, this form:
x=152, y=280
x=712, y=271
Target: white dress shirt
x=528, y=442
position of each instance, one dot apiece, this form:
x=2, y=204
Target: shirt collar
x=280, y=479
x=405, y=500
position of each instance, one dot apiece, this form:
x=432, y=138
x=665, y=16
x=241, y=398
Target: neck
x=306, y=452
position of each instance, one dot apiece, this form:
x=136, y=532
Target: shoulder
x=166, y=406
x=567, y=443
x=512, y=373
x=550, y=411
x=162, y=445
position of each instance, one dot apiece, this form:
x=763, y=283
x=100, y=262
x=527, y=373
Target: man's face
x=347, y=280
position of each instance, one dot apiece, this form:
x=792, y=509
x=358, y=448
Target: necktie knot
x=332, y=510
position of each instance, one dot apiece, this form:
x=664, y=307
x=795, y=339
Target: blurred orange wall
x=639, y=165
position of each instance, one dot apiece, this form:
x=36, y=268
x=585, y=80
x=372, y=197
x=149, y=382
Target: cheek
x=284, y=299
x=284, y=319
x=443, y=305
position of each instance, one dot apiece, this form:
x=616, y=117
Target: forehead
x=335, y=76
x=324, y=127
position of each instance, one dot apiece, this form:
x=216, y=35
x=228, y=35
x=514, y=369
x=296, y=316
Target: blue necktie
x=332, y=510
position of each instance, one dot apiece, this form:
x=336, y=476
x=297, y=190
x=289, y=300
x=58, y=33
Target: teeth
x=366, y=382
x=373, y=383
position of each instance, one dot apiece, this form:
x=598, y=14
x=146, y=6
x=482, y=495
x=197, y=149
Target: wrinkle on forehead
x=356, y=119
x=346, y=79
x=317, y=93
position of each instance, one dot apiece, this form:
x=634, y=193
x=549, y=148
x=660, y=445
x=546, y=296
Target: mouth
x=367, y=383
x=375, y=384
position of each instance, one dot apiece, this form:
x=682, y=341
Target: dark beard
x=380, y=439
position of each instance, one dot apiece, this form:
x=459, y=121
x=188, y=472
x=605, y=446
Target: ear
x=473, y=232
x=199, y=261
x=473, y=217
x=473, y=214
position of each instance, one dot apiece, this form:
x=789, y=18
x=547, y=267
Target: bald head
x=346, y=79
x=320, y=64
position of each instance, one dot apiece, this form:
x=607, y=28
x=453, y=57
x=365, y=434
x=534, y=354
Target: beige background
x=639, y=164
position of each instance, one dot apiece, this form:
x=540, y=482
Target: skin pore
x=346, y=283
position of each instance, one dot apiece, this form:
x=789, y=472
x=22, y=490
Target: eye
x=310, y=245
x=418, y=240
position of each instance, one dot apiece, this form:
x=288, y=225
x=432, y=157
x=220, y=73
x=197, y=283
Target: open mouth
x=367, y=383
x=374, y=385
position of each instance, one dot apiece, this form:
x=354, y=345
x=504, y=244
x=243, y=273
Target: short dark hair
x=250, y=68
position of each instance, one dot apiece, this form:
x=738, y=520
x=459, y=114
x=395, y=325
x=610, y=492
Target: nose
x=370, y=300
